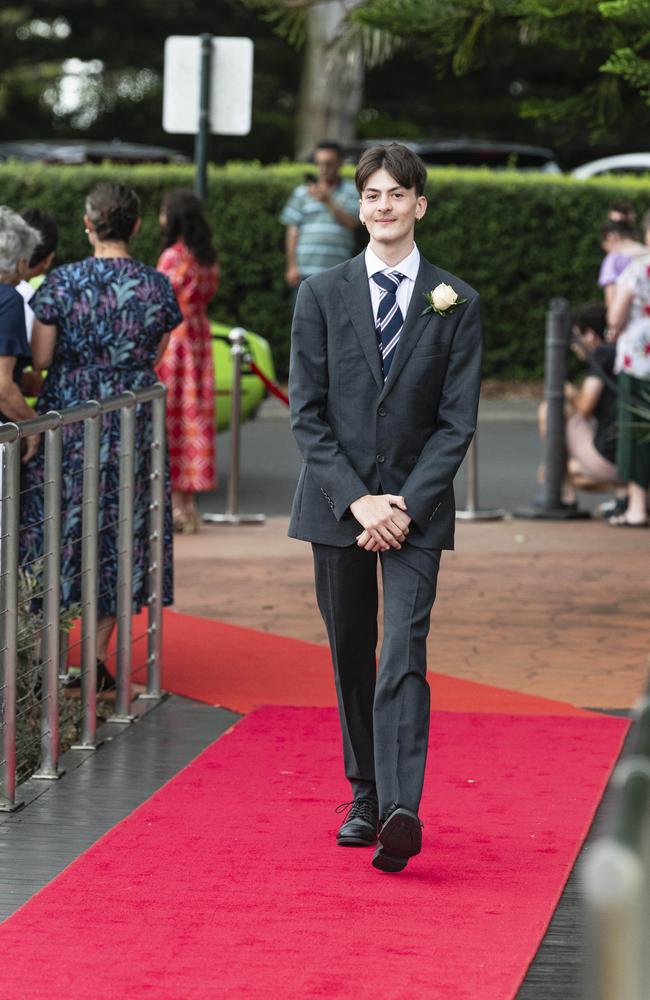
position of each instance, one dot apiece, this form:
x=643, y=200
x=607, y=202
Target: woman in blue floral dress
x=101, y=326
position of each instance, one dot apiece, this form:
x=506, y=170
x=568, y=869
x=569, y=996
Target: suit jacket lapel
x=356, y=295
x=415, y=322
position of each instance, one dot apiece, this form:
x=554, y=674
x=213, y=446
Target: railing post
x=471, y=511
x=125, y=562
x=615, y=885
x=237, y=338
x=551, y=508
x=9, y=522
x=49, y=768
x=156, y=546
x=89, y=580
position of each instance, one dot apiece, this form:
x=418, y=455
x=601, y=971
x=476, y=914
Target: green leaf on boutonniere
x=440, y=312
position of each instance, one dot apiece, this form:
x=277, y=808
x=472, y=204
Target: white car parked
x=626, y=163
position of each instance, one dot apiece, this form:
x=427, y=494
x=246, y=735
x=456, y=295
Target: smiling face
x=389, y=211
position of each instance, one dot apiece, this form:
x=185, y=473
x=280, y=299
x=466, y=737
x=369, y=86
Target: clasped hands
x=384, y=521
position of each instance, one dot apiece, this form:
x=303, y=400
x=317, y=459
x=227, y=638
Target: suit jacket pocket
x=426, y=354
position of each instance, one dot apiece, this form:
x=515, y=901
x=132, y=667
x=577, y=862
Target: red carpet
x=242, y=668
x=228, y=884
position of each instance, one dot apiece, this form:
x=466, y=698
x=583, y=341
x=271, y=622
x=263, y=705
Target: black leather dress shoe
x=359, y=828
x=400, y=838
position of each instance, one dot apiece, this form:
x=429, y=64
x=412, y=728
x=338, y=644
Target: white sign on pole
x=231, y=86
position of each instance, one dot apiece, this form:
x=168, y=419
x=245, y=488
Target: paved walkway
x=552, y=609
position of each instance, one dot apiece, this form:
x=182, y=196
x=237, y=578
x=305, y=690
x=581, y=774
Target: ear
x=420, y=207
x=136, y=228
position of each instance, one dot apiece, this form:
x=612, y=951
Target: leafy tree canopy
x=608, y=44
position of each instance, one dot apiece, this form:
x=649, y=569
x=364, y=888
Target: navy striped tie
x=389, y=321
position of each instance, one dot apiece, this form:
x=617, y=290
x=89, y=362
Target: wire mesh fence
x=41, y=599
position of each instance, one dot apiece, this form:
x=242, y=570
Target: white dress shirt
x=27, y=292
x=408, y=267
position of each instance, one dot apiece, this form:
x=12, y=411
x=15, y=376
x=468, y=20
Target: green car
x=253, y=390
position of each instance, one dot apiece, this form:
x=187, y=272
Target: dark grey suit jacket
x=359, y=435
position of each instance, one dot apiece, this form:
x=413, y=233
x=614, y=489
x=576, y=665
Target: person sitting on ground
x=621, y=245
x=17, y=243
x=590, y=431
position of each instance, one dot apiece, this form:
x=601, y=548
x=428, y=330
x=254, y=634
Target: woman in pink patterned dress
x=190, y=262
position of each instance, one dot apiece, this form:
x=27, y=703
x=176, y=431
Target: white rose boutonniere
x=442, y=300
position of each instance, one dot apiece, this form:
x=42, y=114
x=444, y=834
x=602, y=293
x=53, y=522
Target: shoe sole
x=400, y=838
x=355, y=842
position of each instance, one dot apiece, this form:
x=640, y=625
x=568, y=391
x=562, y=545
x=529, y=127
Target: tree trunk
x=331, y=89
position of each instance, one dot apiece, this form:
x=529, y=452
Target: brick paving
x=552, y=609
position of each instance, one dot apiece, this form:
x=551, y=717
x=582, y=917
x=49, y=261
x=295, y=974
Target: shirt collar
x=408, y=267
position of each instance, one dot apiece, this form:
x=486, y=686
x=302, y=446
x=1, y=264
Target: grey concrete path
x=508, y=447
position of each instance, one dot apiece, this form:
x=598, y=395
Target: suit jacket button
x=381, y=411
x=380, y=458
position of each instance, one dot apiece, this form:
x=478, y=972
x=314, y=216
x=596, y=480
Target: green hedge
x=520, y=239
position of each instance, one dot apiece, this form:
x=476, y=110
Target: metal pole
x=237, y=338
x=558, y=331
x=9, y=521
x=557, y=341
x=156, y=548
x=471, y=511
x=125, y=563
x=89, y=580
x=49, y=768
x=203, y=133
x=615, y=884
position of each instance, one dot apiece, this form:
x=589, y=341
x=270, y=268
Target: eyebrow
x=398, y=187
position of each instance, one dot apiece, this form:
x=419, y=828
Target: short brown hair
x=401, y=163
x=113, y=210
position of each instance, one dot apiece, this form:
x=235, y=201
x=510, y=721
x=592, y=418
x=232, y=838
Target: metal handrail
x=617, y=879
x=51, y=425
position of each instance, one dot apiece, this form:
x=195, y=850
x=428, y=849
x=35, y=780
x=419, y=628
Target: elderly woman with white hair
x=17, y=243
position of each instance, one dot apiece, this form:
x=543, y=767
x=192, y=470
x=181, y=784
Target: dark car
x=72, y=151
x=469, y=153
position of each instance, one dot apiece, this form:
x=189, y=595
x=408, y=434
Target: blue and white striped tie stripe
x=389, y=321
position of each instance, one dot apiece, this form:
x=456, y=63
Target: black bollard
x=558, y=332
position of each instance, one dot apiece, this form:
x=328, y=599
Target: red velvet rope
x=271, y=386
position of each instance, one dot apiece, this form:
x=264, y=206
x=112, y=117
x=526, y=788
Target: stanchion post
x=615, y=885
x=89, y=580
x=156, y=547
x=125, y=562
x=9, y=522
x=557, y=342
x=471, y=511
x=49, y=767
x=558, y=331
x=237, y=338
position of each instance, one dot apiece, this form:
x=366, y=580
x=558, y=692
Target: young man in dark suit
x=384, y=386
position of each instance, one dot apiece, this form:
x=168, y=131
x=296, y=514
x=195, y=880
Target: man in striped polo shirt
x=320, y=216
